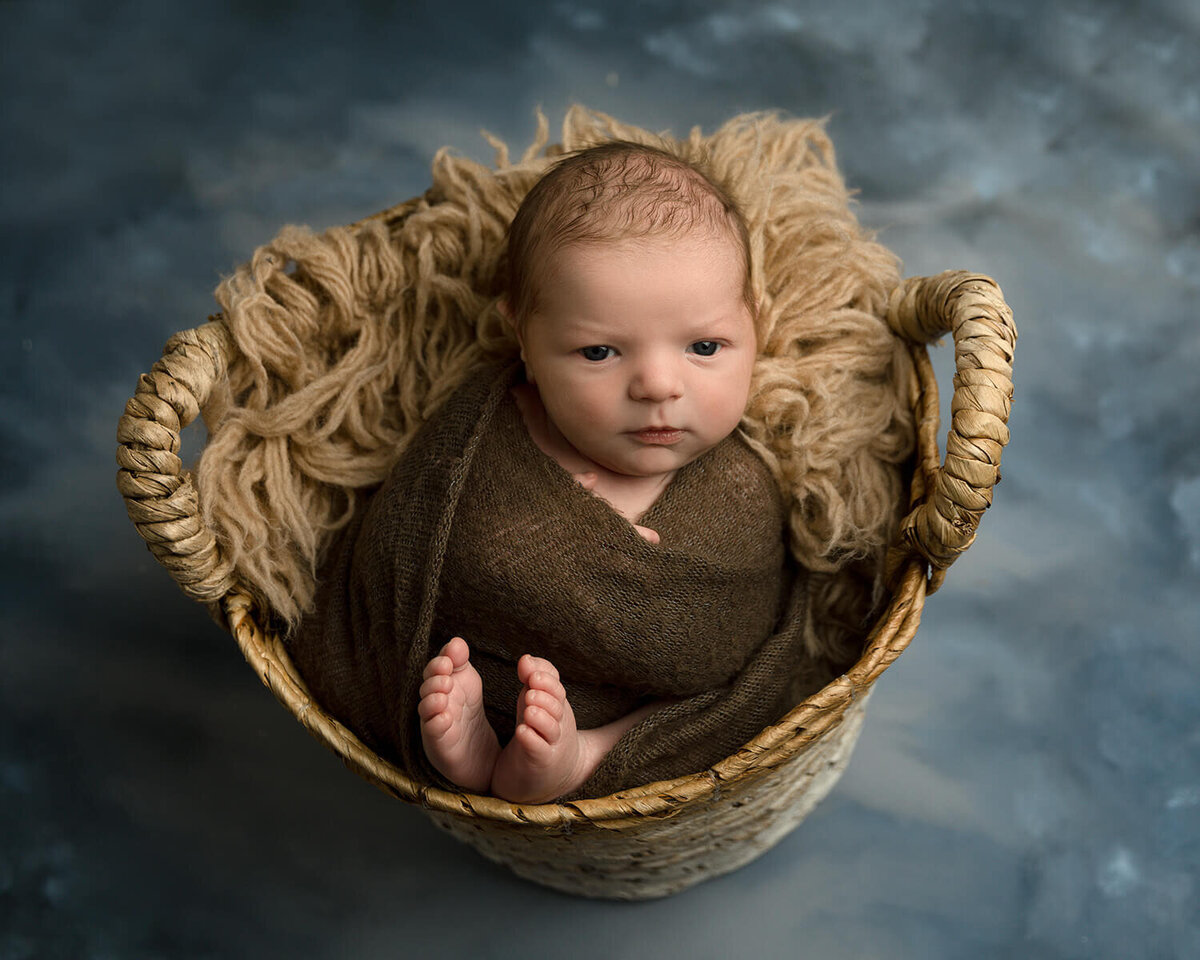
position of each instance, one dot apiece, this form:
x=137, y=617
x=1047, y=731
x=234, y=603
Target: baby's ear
x=506, y=312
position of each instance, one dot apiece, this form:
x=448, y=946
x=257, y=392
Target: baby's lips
x=663, y=435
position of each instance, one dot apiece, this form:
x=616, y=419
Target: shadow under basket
x=659, y=838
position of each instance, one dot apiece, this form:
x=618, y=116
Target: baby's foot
x=458, y=739
x=546, y=757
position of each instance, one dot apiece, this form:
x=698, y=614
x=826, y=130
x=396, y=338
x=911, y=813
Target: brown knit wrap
x=477, y=533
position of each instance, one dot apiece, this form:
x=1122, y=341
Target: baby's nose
x=656, y=381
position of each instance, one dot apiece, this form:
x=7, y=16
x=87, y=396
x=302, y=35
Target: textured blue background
x=1029, y=782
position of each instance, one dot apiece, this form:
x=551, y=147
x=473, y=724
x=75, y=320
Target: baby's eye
x=705, y=348
x=596, y=354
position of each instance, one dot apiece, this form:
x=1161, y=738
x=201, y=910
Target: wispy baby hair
x=618, y=190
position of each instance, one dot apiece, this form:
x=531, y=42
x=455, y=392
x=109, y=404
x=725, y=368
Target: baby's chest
x=630, y=497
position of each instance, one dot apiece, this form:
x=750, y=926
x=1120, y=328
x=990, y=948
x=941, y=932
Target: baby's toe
x=547, y=683
x=433, y=705
x=529, y=665
x=439, y=666
x=543, y=723
x=457, y=651
x=535, y=746
x=438, y=683
x=437, y=726
x=540, y=698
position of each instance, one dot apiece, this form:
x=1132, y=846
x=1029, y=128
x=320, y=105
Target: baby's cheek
x=588, y=419
x=722, y=414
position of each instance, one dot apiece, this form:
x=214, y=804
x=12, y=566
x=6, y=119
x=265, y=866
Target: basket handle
x=972, y=308
x=159, y=493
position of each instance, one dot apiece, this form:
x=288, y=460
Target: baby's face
x=642, y=349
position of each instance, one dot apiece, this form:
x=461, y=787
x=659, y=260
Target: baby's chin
x=648, y=463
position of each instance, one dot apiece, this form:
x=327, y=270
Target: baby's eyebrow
x=583, y=326
x=724, y=322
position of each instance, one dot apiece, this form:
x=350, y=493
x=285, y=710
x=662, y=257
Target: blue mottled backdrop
x=1029, y=782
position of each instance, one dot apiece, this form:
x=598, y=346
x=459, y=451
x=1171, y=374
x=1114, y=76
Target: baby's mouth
x=662, y=436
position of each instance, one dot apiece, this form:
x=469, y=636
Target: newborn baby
x=629, y=296
x=590, y=521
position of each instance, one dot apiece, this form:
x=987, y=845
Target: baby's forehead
x=700, y=268
x=699, y=240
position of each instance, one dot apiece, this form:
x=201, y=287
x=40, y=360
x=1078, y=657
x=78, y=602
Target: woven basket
x=662, y=837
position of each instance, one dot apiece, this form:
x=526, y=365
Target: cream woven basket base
x=704, y=840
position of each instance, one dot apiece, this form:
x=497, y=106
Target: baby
x=629, y=295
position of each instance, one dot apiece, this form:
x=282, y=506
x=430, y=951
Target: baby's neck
x=629, y=496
